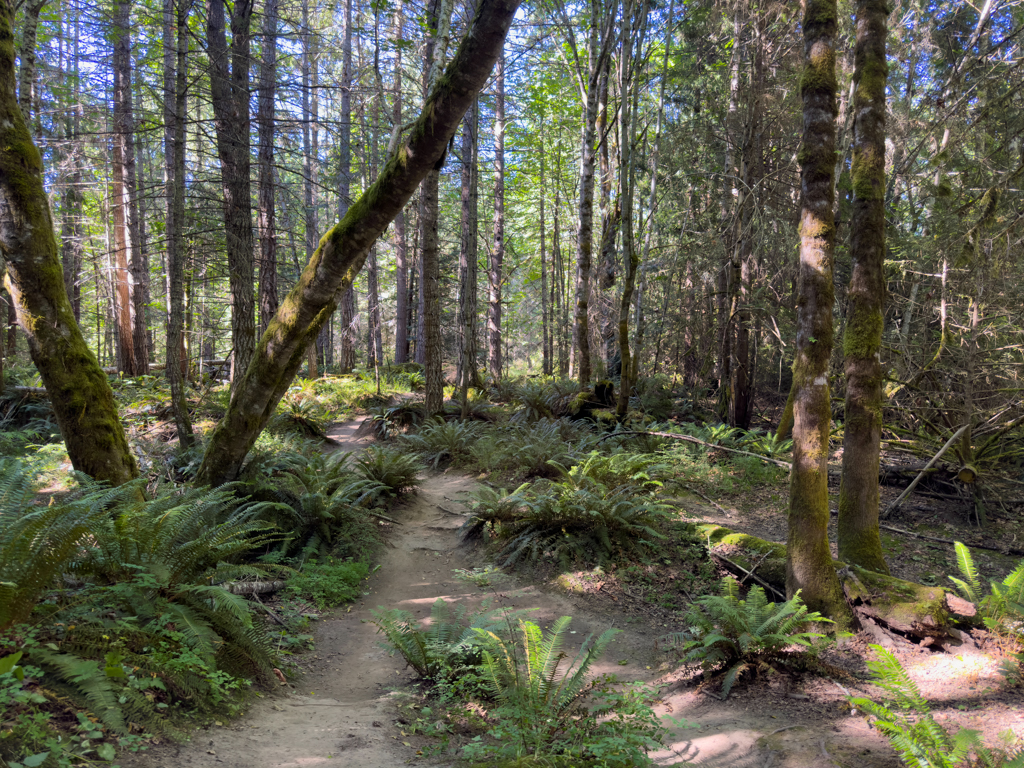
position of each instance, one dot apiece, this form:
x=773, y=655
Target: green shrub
x=444, y=441
x=906, y=720
x=1004, y=600
x=328, y=584
x=299, y=415
x=549, y=708
x=579, y=521
x=397, y=472
x=735, y=636
x=447, y=648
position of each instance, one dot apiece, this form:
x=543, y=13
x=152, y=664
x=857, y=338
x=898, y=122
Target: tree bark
x=497, y=255
x=470, y=375
x=133, y=347
x=348, y=303
x=401, y=239
x=72, y=247
x=343, y=250
x=82, y=400
x=175, y=95
x=229, y=90
x=809, y=562
x=310, y=162
x=858, y=536
x=580, y=363
x=267, y=205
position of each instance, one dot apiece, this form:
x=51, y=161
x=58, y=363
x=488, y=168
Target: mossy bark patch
x=903, y=606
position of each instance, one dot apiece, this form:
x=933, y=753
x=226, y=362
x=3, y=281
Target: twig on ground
x=688, y=439
x=741, y=569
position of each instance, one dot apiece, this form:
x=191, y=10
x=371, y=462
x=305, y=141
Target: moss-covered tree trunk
x=82, y=399
x=809, y=563
x=343, y=250
x=859, y=541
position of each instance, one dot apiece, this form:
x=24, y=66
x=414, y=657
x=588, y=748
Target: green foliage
x=766, y=444
x=732, y=635
x=300, y=415
x=548, y=708
x=614, y=470
x=442, y=441
x=328, y=584
x=1004, y=601
x=397, y=472
x=390, y=421
x=37, y=543
x=579, y=520
x=446, y=648
x=907, y=721
x=324, y=504
x=532, y=450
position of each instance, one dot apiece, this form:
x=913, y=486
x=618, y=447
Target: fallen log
x=253, y=587
x=915, y=611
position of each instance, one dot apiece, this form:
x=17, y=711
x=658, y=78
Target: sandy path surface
x=343, y=712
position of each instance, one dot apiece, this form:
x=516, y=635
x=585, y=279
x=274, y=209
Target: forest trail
x=343, y=712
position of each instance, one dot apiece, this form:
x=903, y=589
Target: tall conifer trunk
x=809, y=562
x=267, y=205
x=859, y=540
x=175, y=94
x=229, y=89
x=497, y=255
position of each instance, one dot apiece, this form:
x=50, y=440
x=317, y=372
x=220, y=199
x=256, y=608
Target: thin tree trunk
x=267, y=217
x=497, y=255
x=348, y=302
x=470, y=375
x=401, y=240
x=430, y=292
x=544, y=319
x=175, y=105
x=808, y=559
x=72, y=245
x=580, y=363
x=309, y=161
x=229, y=89
x=82, y=400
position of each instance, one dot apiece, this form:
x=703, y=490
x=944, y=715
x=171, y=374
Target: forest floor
x=351, y=705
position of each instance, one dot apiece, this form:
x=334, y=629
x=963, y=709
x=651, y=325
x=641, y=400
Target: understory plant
x=577, y=520
x=548, y=707
x=1001, y=605
x=907, y=721
x=442, y=441
x=328, y=584
x=397, y=472
x=729, y=635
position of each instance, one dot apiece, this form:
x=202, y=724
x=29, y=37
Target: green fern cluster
x=37, y=543
x=732, y=635
x=907, y=721
x=396, y=472
x=528, y=450
x=136, y=619
x=441, y=441
x=327, y=505
x=551, y=708
x=300, y=414
x=1004, y=600
x=446, y=647
x=577, y=520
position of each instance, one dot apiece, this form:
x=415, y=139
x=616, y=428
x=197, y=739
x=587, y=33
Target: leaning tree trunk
x=82, y=400
x=859, y=540
x=343, y=250
x=809, y=562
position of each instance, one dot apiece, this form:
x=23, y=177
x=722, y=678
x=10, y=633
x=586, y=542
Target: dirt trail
x=342, y=713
